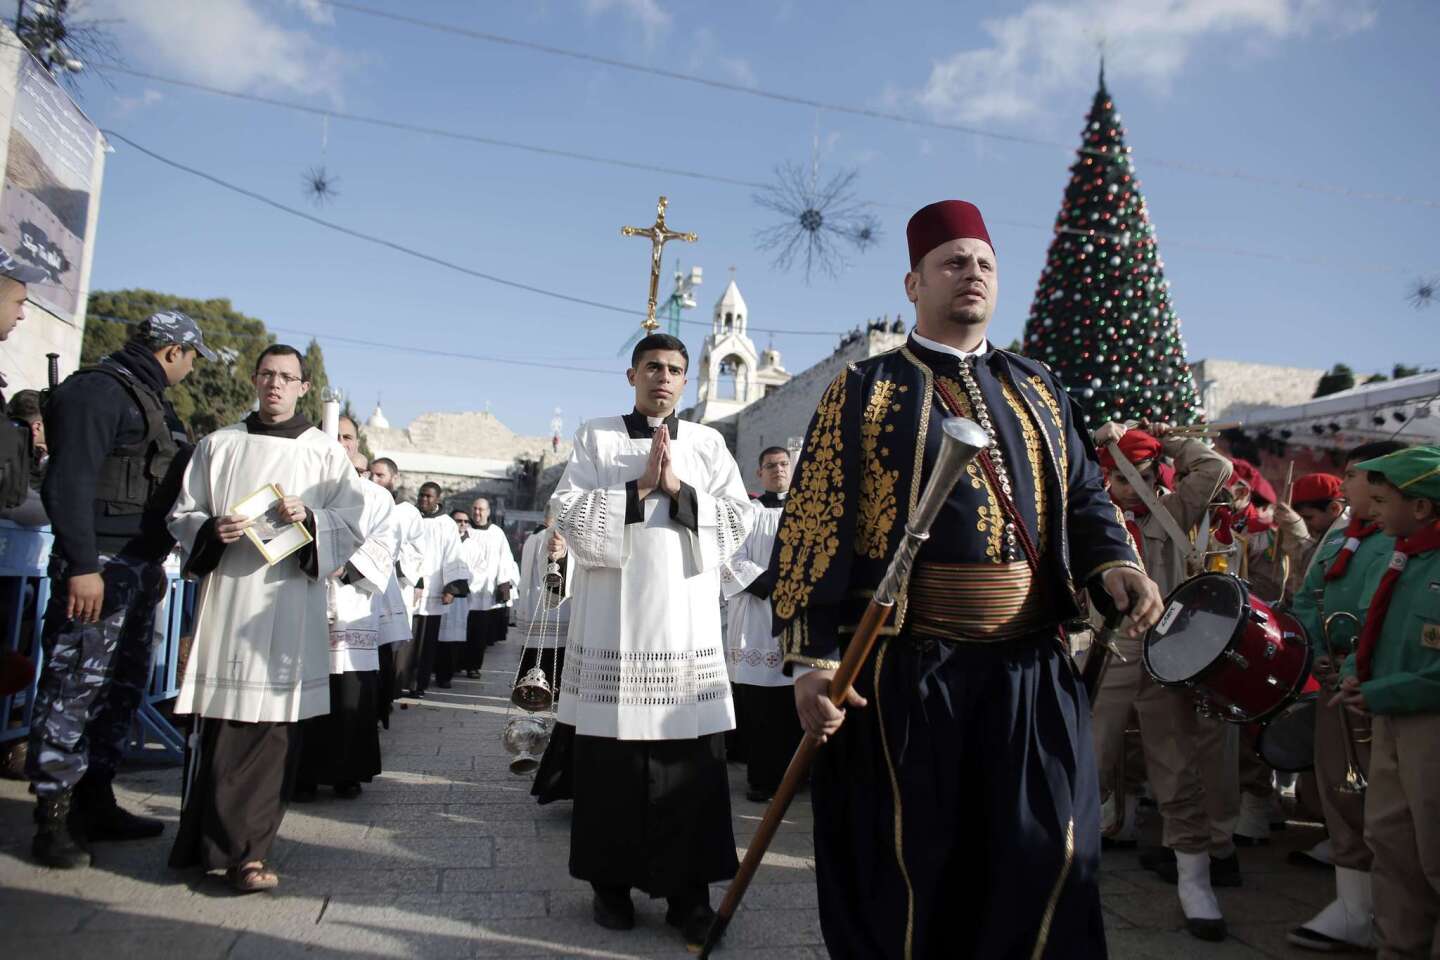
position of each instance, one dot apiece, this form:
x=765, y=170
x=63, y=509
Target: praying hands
x=659, y=468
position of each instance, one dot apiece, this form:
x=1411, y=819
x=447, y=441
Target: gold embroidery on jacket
x=877, y=485
x=927, y=398
x=1033, y=453
x=810, y=537
x=989, y=519
x=1052, y=405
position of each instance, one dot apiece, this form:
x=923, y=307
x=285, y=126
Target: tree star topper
x=659, y=235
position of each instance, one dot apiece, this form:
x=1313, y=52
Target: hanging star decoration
x=816, y=221
x=1422, y=292
x=320, y=185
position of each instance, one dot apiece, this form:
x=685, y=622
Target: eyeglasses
x=272, y=376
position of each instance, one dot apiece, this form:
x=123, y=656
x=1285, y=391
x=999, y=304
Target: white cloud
x=653, y=19
x=236, y=44
x=149, y=96
x=314, y=10
x=707, y=56
x=1050, y=46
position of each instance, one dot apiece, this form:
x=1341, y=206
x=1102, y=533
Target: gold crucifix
x=659, y=234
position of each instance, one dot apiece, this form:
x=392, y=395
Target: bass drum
x=1248, y=659
x=1287, y=742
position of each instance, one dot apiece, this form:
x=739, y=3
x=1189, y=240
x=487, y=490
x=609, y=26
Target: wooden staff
x=961, y=440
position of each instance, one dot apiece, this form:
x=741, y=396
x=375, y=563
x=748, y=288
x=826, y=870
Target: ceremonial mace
x=961, y=440
x=658, y=234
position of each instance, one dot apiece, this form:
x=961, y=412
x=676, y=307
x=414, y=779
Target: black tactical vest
x=133, y=474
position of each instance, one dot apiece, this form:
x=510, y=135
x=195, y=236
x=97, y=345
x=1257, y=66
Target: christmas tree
x=1102, y=316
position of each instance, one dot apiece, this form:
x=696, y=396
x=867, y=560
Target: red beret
x=1315, y=488
x=942, y=222
x=1248, y=474
x=1137, y=446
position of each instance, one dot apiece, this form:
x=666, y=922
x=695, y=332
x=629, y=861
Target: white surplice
x=261, y=637
x=753, y=653
x=646, y=655
x=492, y=563
x=442, y=563
x=356, y=606
x=540, y=613
x=409, y=554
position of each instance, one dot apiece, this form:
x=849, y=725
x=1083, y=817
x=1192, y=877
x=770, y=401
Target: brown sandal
x=252, y=877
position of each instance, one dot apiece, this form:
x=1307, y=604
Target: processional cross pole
x=659, y=235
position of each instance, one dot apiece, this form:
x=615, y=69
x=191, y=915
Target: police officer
x=117, y=453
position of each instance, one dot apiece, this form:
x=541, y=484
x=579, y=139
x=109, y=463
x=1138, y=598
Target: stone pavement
x=445, y=855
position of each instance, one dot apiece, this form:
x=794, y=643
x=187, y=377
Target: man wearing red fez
x=1185, y=754
x=957, y=808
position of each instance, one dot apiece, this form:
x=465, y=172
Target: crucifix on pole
x=659, y=235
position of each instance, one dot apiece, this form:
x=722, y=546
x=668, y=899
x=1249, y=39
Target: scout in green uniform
x=1394, y=675
x=1335, y=584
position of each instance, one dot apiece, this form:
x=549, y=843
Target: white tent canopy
x=1406, y=409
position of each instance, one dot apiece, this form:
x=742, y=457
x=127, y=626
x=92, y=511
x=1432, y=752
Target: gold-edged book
x=276, y=539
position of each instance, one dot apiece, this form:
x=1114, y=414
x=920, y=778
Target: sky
x=1232, y=107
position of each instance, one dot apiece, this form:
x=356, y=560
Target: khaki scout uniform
x=1190, y=760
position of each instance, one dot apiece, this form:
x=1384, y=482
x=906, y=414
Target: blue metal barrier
x=24, y=594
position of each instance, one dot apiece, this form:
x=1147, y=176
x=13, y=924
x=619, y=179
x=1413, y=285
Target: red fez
x=942, y=222
x=1316, y=488
x=1137, y=446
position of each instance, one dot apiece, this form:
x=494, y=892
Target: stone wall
x=464, y=435
x=436, y=448
x=1230, y=388
x=783, y=414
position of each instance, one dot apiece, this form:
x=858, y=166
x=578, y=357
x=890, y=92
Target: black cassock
x=652, y=814
x=343, y=746
x=958, y=814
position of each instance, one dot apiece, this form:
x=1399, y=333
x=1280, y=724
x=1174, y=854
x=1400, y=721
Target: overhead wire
x=868, y=112
x=580, y=156
x=413, y=252
x=402, y=347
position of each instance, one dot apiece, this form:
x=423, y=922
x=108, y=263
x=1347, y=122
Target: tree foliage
x=217, y=393
x=1340, y=377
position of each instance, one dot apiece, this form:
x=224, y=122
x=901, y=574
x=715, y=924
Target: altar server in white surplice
x=342, y=748
x=492, y=587
x=444, y=578
x=764, y=696
x=397, y=621
x=260, y=661
x=650, y=507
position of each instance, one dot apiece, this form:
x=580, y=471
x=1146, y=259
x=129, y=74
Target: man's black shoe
x=57, y=843
x=348, y=790
x=305, y=793
x=612, y=908
x=443, y=684
x=756, y=795
x=693, y=922
x=1211, y=931
x=101, y=818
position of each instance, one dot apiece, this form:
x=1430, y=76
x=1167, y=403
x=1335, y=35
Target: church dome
x=377, y=419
